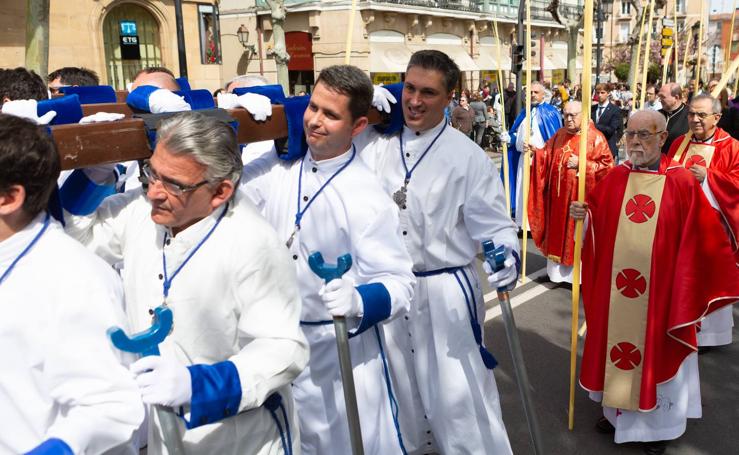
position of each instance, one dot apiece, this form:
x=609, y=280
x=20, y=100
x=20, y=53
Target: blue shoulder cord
x=26, y=249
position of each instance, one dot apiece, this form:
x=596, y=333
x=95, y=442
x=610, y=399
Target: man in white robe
x=341, y=208
x=194, y=243
x=63, y=388
x=450, y=200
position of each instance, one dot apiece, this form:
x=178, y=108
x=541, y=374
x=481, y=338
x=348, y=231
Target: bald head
x=572, y=113
x=670, y=96
x=157, y=79
x=645, y=133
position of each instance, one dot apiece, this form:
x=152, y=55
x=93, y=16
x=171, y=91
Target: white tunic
x=60, y=375
x=236, y=300
x=351, y=215
x=537, y=140
x=447, y=397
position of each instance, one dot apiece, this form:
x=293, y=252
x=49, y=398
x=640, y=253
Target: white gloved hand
x=505, y=137
x=102, y=174
x=381, y=99
x=163, y=100
x=27, y=109
x=228, y=100
x=163, y=381
x=505, y=277
x=342, y=298
x=259, y=106
x=100, y=117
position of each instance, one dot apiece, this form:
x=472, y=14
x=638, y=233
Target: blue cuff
x=376, y=300
x=216, y=393
x=68, y=109
x=183, y=83
x=51, y=446
x=274, y=92
x=81, y=196
x=139, y=97
x=197, y=99
x=95, y=94
x=396, y=111
x=297, y=146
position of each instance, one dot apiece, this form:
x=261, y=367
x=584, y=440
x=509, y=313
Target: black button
x=403, y=207
x=169, y=241
x=295, y=256
x=408, y=155
x=406, y=317
x=161, y=277
x=315, y=169
x=424, y=416
x=418, y=133
x=413, y=351
x=428, y=443
x=405, y=232
x=305, y=198
x=428, y=431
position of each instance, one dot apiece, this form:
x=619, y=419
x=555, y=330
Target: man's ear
x=12, y=199
x=359, y=125
x=223, y=192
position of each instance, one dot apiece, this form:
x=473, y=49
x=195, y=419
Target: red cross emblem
x=695, y=159
x=631, y=283
x=640, y=208
x=625, y=356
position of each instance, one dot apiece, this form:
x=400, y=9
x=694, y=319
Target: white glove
x=27, y=109
x=163, y=381
x=101, y=117
x=102, y=174
x=163, y=100
x=381, y=99
x=228, y=100
x=505, y=277
x=505, y=137
x=259, y=106
x=342, y=298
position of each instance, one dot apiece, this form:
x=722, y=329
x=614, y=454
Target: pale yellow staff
x=506, y=177
x=526, y=156
x=727, y=55
x=643, y=93
x=700, y=49
x=638, y=53
x=675, y=46
x=581, y=172
x=350, y=33
x=685, y=55
x=670, y=51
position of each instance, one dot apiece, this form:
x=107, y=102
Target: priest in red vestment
x=655, y=262
x=712, y=156
x=554, y=185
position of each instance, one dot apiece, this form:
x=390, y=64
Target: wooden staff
x=675, y=46
x=506, y=176
x=666, y=63
x=350, y=33
x=685, y=55
x=727, y=56
x=700, y=50
x=526, y=155
x=647, y=49
x=636, y=62
x=581, y=172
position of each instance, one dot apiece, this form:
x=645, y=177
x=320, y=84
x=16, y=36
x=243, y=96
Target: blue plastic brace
x=329, y=271
x=146, y=342
x=494, y=256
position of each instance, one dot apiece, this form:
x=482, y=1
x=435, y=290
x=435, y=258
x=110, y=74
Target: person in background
x=607, y=118
x=651, y=99
x=675, y=111
x=71, y=76
x=478, y=126
x=463, y=117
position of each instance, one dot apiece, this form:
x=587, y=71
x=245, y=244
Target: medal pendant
x=289, y=242
x=401, y=196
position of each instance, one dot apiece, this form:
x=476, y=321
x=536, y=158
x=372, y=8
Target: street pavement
x=543, y=316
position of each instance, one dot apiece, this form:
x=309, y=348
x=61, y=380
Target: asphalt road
x=543, y=318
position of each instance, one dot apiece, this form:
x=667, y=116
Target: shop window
x=210, y=36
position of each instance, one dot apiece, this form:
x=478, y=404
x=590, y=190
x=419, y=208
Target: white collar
x=11, y=247
x=327, y=165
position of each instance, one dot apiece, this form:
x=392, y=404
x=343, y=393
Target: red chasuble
x=554, y=186
x=656, y=261
x=721, y=158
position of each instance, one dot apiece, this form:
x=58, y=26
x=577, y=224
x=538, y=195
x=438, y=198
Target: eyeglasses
x=170, y=186
x=700, y=115
x=643, y=135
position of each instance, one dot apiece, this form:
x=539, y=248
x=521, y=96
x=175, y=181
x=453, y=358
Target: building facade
x=116, y=38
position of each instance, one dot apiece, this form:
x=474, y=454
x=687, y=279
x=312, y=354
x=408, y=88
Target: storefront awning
x=389, y=57
x=487, y=59
x=458, y=53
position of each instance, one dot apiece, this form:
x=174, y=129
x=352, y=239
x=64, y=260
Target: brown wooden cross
x=125, y=140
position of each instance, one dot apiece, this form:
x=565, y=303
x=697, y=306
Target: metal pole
x=180, y=38
x=347, y=381
x=519, y=40
x=598, y=36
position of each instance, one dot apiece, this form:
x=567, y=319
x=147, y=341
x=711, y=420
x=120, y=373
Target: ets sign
x=130, y=48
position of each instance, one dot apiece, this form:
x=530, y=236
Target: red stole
x=689, y=273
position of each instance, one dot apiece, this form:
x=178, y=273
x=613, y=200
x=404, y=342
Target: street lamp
x=243, y=35
x=601, y=16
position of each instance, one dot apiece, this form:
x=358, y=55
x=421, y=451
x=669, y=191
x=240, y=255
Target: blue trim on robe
x=53, y=446
x=396, y=111
x=216, y=393
x=197, y=99
x=81, y=196
x=274, y=92
x=183, y=83
x=138, y=98
x=549, y=122
x=297, y=146
x=95, y=94
x=68, y=109
x=376, y=302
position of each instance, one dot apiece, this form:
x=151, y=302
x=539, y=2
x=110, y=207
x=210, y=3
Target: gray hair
x=249, y=80
x=207, y=140
x=715, y=103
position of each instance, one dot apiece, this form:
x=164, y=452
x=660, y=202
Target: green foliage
x=621, y=70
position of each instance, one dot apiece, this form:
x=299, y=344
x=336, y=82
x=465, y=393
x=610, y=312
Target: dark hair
x=28, y=158
x=155, y=69
x=71, y=75
x=352, y=82
x=430, y=59
x=21, y=84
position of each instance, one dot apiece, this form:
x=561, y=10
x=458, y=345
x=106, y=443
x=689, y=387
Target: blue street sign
x=128, y=28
